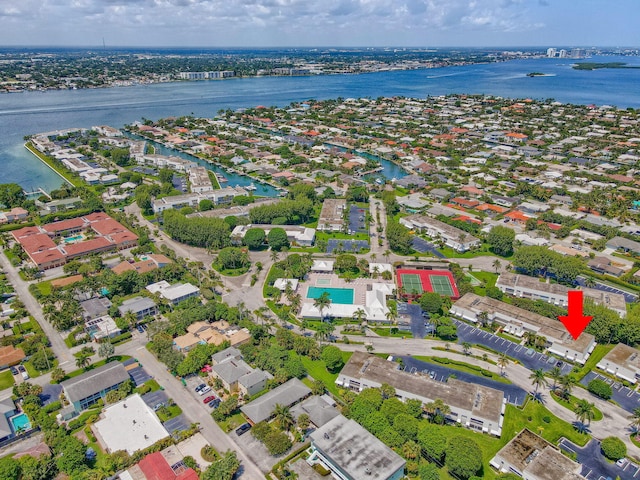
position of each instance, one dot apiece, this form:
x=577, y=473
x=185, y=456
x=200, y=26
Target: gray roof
x=319, y=411
x=230, y=352
x=231, y=370
x=96, y=307
x=136, y=304
x=5, y=429
x=253, y=378
x=6, y=406
x=286, y=394
x=355, y=451
x=94, y=381
x=624, y=243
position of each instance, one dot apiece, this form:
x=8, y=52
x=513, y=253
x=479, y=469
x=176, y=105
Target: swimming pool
x=75, y=238
x=337, y=295
x=20, y=422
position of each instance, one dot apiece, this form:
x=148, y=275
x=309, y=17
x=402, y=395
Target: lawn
x=44, y=288
x=386, y=332
x=464, y=367
x=6, y=380
x=167, y=413
x=234, y=421
x=317, y=370
x=570, y=405
x=116, y=358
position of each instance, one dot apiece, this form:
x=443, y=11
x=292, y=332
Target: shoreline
x=35, y=153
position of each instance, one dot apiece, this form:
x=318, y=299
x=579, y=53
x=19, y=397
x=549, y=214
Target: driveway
x=416, y=320
x=422, y=246
x=514, y=394
x=528, y=357
x=595, y=466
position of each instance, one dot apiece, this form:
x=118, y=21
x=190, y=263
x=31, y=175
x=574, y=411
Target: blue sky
x=220, y=23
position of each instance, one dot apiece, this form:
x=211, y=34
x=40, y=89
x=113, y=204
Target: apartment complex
x=531, y=287
x=474, y=406
x=220, y=196
x=517, y=321
x=75, y=237
x=331, y=217
x=622, y=361
x=296, y=234
x=453, y=237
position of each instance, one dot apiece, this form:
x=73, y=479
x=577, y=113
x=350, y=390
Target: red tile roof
x=124, y=237
x=36, y=243
x=155, y=467
x=517, y=215
x=62, y=225
x=25, y=231
x=87, y=246
x=107, y=227
x=40, y=258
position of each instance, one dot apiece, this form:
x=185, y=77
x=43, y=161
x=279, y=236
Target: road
x=194, y=410
x=376, y=205
x=615, y=420
x=65, y=358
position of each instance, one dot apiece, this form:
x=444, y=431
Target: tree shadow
x=538, y=397
x=581, y=427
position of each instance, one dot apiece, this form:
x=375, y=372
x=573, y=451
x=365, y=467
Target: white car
x=206, y=389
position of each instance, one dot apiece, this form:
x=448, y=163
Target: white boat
x=251, y=187
x=221, y=178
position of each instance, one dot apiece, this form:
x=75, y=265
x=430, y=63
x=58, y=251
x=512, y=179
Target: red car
x=209, y=399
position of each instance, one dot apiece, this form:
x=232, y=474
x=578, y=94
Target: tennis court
x=411, y=283
x=441, y=284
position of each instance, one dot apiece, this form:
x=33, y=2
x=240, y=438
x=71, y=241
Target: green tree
x=501, y=240
x=463, y=456
x=106, y=350
x=205, y=204
x=223, y=469
x=9, y=469
x=12, y=195
x=538, y=379
x=277, y=239
x=254, y=238
x=332, y=358
x=429, y=471
x=57, y=375
x=346, y=263
x=635, y=419
x=431, y=302
x=282, y=417
x=584, y=411
x=600, y=388
x=233, y=258
x=433, y=441
x=613, y=448
x=322, y=302
x=72, y=458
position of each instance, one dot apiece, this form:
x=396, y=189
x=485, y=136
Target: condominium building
x=474, y=406
x=331, y=217
x=453, y=237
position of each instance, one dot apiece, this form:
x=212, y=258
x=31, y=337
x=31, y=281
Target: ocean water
x=32, y=112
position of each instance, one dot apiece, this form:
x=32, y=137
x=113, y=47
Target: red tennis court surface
x=416, y=282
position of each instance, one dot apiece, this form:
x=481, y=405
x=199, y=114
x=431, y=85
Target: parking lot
x=528, y=357
x=357, y=220
x=514, y=394
x=624, y=396
x=596, y=467
x=420, y=245
x=416, y=320
x=628, y=297
x=50, y=393
x=346, y=245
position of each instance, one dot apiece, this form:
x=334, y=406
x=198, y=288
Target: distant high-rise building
x=562, y=53
x=578, y=53
x=551, y=52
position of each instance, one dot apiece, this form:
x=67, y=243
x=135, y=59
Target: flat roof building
x=129, y=425
x=297, y=234
x=516, y=321
x=175, y=293
x=352, y=453
x=331, y=217
x=622, y=361
x=531, y=287
x=139, y=306
x=474, y=406
x=532, y=457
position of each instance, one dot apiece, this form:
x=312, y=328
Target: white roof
x=322, y=266
x=179, y=290
x=130, y=425
x=156, y=287
x=382, y=267
x=281, y=283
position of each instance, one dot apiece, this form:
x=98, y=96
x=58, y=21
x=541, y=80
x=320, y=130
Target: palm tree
x=537, y=379
x=411, y=450
x=295, y=301
x=283, y=417
x=497, y=264
x=373, y=257
x=274, y=255
x=555, y=373
x=503, y=361
x=441, y=408
x=359, y=316
x=466, y=348
x=566, y=384
x=635, y=419
x=584, y=411
x=589, y=282
x=83, y=360
x=392, y=316
x=322, y=302
x=387, y=254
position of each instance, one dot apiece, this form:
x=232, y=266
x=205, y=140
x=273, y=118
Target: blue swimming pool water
x=73, y=239
x=20, y=422
x=337, y=295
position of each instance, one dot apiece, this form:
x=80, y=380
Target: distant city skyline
x=304, y=23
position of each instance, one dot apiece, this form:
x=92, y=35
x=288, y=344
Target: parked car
x=206, y=389
x=25, y=375
x=21, y=368
x=210, y=398
x=244, y=428
x=14, y=371
x=140, y=329
x=214, y=403
x=200, y=387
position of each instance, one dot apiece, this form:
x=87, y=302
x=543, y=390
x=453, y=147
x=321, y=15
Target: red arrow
x=575, y=322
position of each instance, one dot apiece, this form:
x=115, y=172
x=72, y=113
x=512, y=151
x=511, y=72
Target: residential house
x=453, y=237
x=625, y=245
x=140, y=306
x=236, y=375
x=7, y=410
x=622, y=361
x=287, y=394
x=175, y=293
